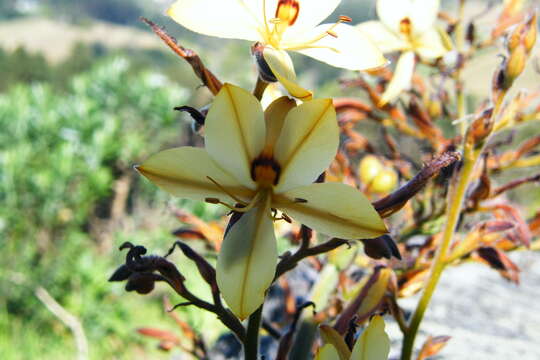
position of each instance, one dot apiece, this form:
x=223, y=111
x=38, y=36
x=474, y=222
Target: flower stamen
x=283, y=216
x=329, y=32
x=241, y=207
x=226, y=191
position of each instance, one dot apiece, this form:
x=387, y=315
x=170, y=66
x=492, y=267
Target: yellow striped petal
x=334, y=209
x=183, y=172
x=235, y=132
x=247, y=261
x=307, y=144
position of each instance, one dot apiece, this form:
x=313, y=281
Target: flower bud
x=385, y=182
x=435, y=108
x=265, y=72
x=514, y=37
x=470, y=33
x=480, y=128
x=516, y=62
x=530, y=33
x=500, y=82
x=369, y=168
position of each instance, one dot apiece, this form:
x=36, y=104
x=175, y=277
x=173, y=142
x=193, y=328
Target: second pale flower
x=281, y=26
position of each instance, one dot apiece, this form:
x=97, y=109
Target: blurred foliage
x=60, y=155
x=8, y=9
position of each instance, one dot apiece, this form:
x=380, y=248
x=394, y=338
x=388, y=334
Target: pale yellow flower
x=372, y=344
x=264, y=161
x=407, y=26
x=283, y=25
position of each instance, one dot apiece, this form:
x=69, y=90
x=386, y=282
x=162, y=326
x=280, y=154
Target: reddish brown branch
x=396, y=200
x=206, y=76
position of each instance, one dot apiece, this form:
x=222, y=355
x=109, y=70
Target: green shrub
x=60, y=154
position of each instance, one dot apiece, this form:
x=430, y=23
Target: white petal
x=183, y=172
x=386, y=40
x=312, y=13
x=222, y=18
x=307, y=143
x=247, y=261
x=431, y=45
x=401, y=80
x=391, y=12
x=423, y=15
x=283, y=69
x=351, y=49
x=235, y=132
x=334, y=209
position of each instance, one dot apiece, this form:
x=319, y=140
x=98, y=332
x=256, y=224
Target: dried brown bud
x=499, y=261
x=480, y=128
x=143, y=283
x=432, y=346
x=500, y=81
x=382, y=246
x=423, y=120
x=470, y=33
x=122, y=273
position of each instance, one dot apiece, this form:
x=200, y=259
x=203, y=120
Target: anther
x=286, y=218
x=331, y=33
x=344, y=18
x=300, y=200
x=212, y=200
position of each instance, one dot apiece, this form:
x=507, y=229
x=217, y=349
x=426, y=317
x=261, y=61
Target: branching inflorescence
x=284, y=163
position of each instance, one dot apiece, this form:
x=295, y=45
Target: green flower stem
x=251, y=346
x=460, y=45
x=455, y=204
x=454, y=209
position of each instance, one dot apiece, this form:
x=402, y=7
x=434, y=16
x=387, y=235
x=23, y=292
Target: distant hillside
x=55, y=39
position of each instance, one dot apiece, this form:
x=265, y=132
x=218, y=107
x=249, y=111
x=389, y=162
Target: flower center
x=265, y=171
x=287, y=11
x=405, y=28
